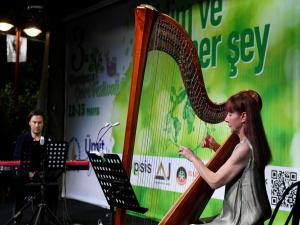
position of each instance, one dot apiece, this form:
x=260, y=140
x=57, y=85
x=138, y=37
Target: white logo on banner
x=11, y=48
x=165, y=173
x=177, y=174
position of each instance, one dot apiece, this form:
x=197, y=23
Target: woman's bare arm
x=231, y=168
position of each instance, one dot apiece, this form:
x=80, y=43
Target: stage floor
x=77, y=212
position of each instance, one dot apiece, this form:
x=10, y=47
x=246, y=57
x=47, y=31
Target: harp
x=157, y=31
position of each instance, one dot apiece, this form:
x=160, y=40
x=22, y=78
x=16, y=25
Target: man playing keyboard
x=36, y=120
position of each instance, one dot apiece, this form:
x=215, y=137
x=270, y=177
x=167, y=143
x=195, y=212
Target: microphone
x=42, y=140
x=105, y=125
x=115, y=124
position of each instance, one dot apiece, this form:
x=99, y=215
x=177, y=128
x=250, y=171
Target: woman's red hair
x=251, y=103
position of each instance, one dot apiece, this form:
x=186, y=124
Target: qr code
x=280, y=181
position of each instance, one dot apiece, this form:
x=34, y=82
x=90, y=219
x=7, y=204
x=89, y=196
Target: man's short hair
x=36, y=112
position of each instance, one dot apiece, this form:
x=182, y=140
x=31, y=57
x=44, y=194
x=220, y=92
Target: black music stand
x=42, y=158
x=55, y=159
x=115, y=183
x=32, y=154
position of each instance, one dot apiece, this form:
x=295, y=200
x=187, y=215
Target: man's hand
x=31, y=175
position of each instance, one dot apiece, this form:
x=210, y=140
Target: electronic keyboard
x=6, y=166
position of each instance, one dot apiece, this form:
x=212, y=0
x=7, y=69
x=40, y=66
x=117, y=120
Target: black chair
x=295, y=211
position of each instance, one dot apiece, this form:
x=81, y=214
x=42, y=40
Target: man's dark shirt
x=19, y=145
x=23, y=138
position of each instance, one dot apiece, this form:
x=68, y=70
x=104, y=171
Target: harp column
x=144, y=17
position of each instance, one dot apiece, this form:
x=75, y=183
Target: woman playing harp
x=157, y=31
x=245, y=200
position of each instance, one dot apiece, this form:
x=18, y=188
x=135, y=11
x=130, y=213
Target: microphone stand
x=43, y=209
x=104, y=160
x=106, y=125
x=110, y=126
x=98, y=140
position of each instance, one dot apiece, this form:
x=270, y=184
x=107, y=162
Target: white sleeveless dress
x=245, y=201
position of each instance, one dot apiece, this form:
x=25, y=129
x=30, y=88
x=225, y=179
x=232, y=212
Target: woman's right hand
x=210, y=142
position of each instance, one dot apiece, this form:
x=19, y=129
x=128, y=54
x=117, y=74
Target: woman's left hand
x=187, y=153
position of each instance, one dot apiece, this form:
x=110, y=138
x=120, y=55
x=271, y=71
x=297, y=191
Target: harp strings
x=152, y=119
x=147, y=128
x=153, y=139
x=157, y=135
x=153, y=134
x=164, y=148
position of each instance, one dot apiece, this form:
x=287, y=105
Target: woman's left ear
x=244, y=117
